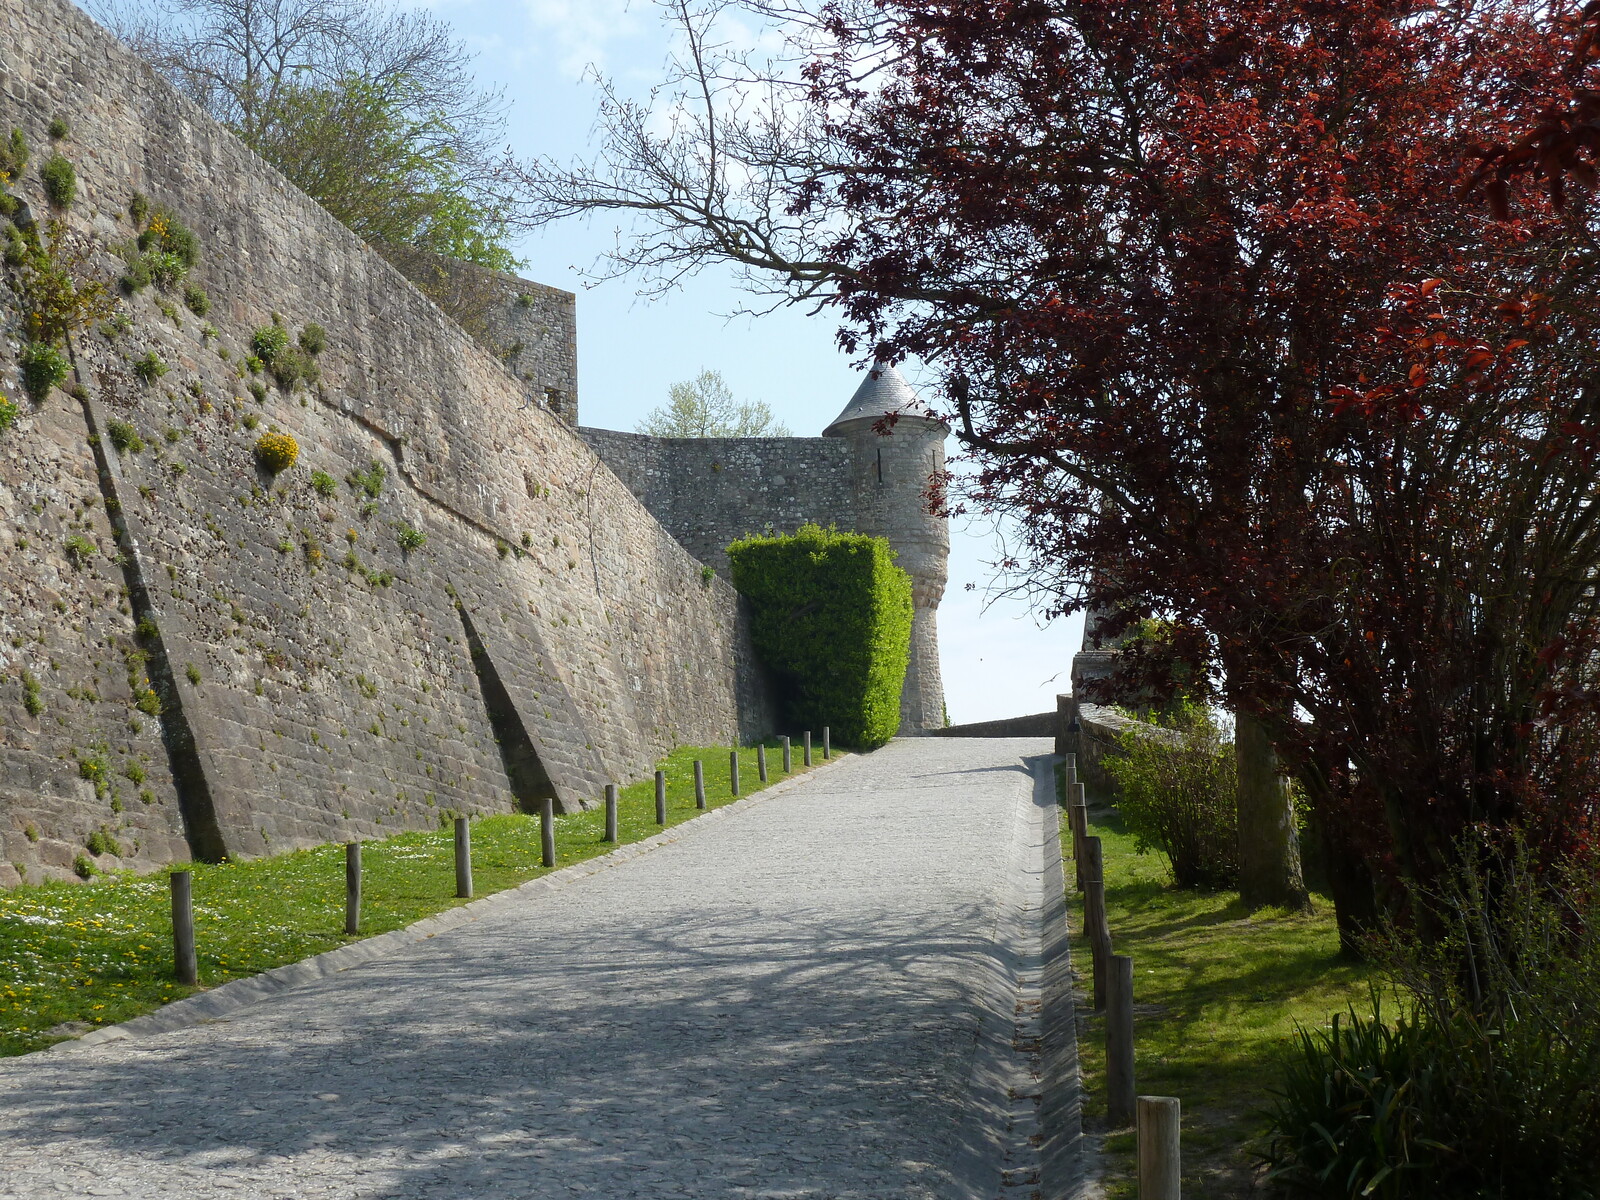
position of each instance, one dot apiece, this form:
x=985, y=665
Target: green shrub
x=150, y=368
x=58, y=128
x=1179, y=795
x=101, y=842
x=313, y=339
x=323, y=483
x=8, y=413
x=43, y=367
x=83, y=866
x=195, y=298
x=124, y=437
x=168, y=235
x=13, y=155
x=31, y=700
x=193, y=672
x=1485, y=1085
x=410, y=537
x=277, y=451
x=833, y=624
x=80, y=549
x=369, y=481
x=138, y=208
x=269, y=341
x=290, y=365
x=60, y=181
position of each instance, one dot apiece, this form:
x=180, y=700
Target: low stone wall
x=1035, y=725
x=1097, y=738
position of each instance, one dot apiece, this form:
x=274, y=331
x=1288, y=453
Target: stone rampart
x=200, y=656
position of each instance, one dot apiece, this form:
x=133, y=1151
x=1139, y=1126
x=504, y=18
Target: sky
x=997, y=658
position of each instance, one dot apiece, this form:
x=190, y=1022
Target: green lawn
x=1217, y=992
x=102, y=952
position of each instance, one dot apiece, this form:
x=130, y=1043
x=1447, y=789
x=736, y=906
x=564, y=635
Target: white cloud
x=581, y=33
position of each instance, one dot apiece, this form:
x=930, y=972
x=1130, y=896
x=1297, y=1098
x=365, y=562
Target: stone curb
x=231, y=997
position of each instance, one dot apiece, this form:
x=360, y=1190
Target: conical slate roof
x=883, y=391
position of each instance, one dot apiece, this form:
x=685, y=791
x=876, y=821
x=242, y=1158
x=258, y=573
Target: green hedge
x=833, y=624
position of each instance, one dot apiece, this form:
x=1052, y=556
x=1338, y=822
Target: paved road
x=814, y=997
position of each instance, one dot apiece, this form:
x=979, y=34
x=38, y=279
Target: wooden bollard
x=1119, y=1042
x=352, y=887
x=1095, y=929
x=463, y=859
x=1159, y=1152
x=733, y=772
x=761, y=761
x=547, y=831
x=808, y=748
x=611, y=812
x=661, y=797
x=788, y=758
x=699, y=784
x=827, y=745
x=184, y=963
x=1078, y=822
x=1069, y=771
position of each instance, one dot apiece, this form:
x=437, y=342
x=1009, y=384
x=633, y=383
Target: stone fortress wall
x=709, y=491
x=199, y=658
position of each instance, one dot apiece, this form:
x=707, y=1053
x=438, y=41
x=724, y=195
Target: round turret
x=890, y=473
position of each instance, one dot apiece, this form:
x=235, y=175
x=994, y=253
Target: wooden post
x=611, y=812
x=733, y=772
x=699, y=784
x=788, y=758
x=1160, y=1158
x=1078, y=821
x=761, y=761
x=661, y=797
x=547, y=831
x=1095, y=929
x=827, y=745
x=1119, y=1042
x=1069, y=769
x=463, y=859
x=808, y=748
x=352, y=887
x=185, y=965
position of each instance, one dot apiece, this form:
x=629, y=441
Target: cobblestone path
x=814, y=997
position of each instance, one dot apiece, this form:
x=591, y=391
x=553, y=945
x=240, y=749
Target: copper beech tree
x=1213, y=323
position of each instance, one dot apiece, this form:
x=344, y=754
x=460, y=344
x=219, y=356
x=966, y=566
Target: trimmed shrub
x=277, y=451
x=833, y=623
x=60, y=181
x=1179, y=795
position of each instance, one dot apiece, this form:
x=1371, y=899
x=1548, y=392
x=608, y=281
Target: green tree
x=704, y=407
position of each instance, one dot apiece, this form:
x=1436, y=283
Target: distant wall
x=1035, y=725
x=237, y=663
x=709, y=491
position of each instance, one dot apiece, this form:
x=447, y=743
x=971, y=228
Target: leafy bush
x=8, y=413
x=269, y=341
x=138, y=208
x=1179, y=795
x=369, y=481
x=323, y=483
x=291, y=364
x=58, y=128
x=43, y=367
x=168, y=235
x=13, y=155
x=410, y=537
x=195, y=298
x=124, y=437
x=1485, y=1086
x=833, y=623
x=313, y=339
x=101, y=842
x=277, y=451
x=150, y=368
x=60, y=181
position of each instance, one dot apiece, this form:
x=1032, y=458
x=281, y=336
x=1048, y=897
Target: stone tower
x=890, y=473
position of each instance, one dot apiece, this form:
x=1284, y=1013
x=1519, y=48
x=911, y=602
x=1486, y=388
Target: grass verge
x=1217, y=993
x=102, y=953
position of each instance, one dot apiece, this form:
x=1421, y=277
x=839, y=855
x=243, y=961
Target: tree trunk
x=1269, y=847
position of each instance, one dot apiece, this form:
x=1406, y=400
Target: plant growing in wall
x=150, y=367
x=8, y=413
x=832, y=621
x=409, y=536
x=124, y=437
x=277, y=452
x=60, y=181
x=43, y=367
